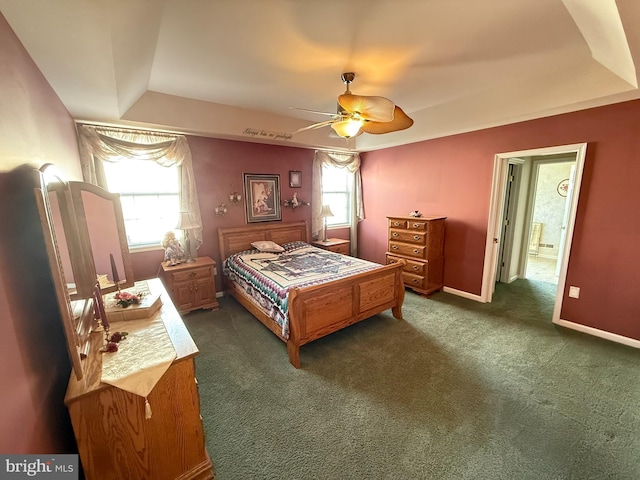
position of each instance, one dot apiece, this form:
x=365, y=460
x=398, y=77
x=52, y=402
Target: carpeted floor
x=458, y=390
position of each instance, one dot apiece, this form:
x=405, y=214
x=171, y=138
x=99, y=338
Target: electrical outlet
x=215, y=271
x=574, y=292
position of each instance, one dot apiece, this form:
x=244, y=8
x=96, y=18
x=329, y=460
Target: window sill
x=147, y=248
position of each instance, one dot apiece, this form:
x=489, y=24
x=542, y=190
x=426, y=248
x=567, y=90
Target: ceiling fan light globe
x=347, y=128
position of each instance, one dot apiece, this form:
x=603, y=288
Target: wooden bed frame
x=317, y=310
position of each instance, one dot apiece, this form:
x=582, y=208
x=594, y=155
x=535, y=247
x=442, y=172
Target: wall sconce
x=234, y=197
x=221, y=210
x=294, y=202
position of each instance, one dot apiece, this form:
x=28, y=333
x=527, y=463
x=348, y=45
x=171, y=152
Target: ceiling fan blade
x=376, y=109
x=400, y=121
x=313, y=126
x=315, y=111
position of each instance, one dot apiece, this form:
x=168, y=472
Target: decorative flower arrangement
x=415, y=213
x=113, y=341
x=125, y=299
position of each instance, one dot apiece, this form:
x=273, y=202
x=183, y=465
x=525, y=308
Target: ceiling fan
x=362, y=114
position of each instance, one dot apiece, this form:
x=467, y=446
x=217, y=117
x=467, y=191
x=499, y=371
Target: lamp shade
x=326, y=211
x=347, y=128
x=187, y=222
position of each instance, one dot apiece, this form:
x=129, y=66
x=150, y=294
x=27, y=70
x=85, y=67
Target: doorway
x=552, y=178
x=512, y=205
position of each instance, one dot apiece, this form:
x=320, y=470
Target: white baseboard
x=614, y=337
x=461, y=293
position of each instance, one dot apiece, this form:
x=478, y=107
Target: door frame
x=496, y=206
x=506, y=251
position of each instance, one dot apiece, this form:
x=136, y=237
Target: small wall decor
x=563, y=187
x=295, y=179
x=221, y=210
x=262, y=197
x=234, y=197
x=294, y=202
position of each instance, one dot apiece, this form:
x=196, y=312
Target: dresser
x=114, y=438
x=336, y=245
x=191, y=285
x=419, y=242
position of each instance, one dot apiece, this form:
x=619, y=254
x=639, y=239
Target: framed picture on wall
x=295, y=179
x=262, y=197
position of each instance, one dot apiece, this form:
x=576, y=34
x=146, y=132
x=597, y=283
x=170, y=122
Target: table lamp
x=187, y=223
x=324, y=213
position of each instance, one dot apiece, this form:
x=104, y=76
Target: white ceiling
x=233, y=68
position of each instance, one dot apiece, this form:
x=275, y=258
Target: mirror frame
x=75, y=349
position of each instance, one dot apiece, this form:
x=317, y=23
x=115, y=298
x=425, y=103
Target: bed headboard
x=237, y=239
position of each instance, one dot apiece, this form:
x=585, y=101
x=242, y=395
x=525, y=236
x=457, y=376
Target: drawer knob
x=395, y=247
x=395, y=224
x=416, y=225
x=416, y=268
x=416, y=281
x=395, y=234
x=192, y=274
x=415, y=250
x=416, y=237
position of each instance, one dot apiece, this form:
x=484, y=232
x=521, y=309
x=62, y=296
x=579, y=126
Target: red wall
x=218, y=167
x=452, y=176
x=35, y=128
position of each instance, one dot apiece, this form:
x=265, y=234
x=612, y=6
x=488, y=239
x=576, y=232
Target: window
x=336, y=192
x=149, y=194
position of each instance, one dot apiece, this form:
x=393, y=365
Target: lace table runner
x=142, y=357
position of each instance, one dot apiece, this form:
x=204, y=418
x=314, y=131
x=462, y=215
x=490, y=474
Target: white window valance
x=107, y=144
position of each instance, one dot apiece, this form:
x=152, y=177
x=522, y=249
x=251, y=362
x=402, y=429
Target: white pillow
x=267, y=246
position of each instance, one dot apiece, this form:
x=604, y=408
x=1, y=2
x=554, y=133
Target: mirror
x=100, y=223
x=86, y=243
x=89, y=228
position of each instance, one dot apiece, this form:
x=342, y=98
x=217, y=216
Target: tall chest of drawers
x=420, y=243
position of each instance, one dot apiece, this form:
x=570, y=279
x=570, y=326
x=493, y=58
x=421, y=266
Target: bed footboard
x=319, y=310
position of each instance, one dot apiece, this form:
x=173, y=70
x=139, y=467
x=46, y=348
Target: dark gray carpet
x=458, y=390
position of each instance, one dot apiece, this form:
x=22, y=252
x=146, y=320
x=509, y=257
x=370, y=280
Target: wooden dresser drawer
x=415, y=281
x=410, y=266
x=335, y=245
x=343, y=249
x=419, y=238
x=397, y=223
x=192, y=274
x=416, y=251
x=417, y=225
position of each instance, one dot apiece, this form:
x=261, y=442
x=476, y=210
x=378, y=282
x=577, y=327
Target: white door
x=565, y=219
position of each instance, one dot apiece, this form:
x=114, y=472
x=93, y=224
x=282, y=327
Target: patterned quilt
x=268, y=277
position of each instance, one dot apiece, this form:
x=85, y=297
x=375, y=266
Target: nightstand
x=336, y=245
x=191, y=285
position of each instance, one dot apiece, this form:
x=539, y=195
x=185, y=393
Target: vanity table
x=119, y=434
x=114, y=438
